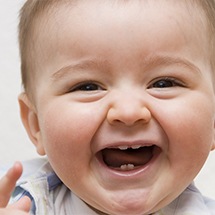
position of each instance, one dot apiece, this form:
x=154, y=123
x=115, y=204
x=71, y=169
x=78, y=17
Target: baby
x=119, y=95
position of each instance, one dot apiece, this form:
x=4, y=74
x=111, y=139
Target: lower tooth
x=127, y=167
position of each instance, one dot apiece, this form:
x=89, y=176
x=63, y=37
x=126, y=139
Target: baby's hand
x=7, y=185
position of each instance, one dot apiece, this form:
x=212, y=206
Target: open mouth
x=127, y=158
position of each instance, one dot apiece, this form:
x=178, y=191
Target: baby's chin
x=127, y=202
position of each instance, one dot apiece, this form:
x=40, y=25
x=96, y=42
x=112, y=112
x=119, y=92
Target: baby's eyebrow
x=150, y=62
x=165, y=60
x=79, y=66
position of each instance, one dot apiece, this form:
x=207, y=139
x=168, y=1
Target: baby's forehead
x=63, y=21
x=55, y=9
x=79, y=12
x=59, y=17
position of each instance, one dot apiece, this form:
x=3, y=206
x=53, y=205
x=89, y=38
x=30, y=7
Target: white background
x=14, y=143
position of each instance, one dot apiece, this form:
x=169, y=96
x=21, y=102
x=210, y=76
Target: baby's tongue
x=116, y=158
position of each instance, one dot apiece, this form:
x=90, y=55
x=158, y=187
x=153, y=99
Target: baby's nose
x=129, y=110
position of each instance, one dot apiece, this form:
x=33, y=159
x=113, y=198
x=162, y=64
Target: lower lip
x=139, y=172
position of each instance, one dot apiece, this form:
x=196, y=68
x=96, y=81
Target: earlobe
x=30, y=121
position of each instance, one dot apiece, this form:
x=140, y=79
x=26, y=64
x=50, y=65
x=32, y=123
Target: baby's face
x=125, y=101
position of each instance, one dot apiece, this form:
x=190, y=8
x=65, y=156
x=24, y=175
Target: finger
x=24, y=204
x=8, y=182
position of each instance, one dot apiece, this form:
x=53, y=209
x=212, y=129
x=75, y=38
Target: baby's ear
x=30, y=121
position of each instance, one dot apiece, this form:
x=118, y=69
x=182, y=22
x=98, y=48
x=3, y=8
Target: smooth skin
x=7, y=185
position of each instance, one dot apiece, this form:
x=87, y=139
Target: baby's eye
x=165, y=83
x=86, y=87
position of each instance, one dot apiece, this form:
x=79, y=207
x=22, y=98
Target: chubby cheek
x=66, y=137
x=190, y=132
